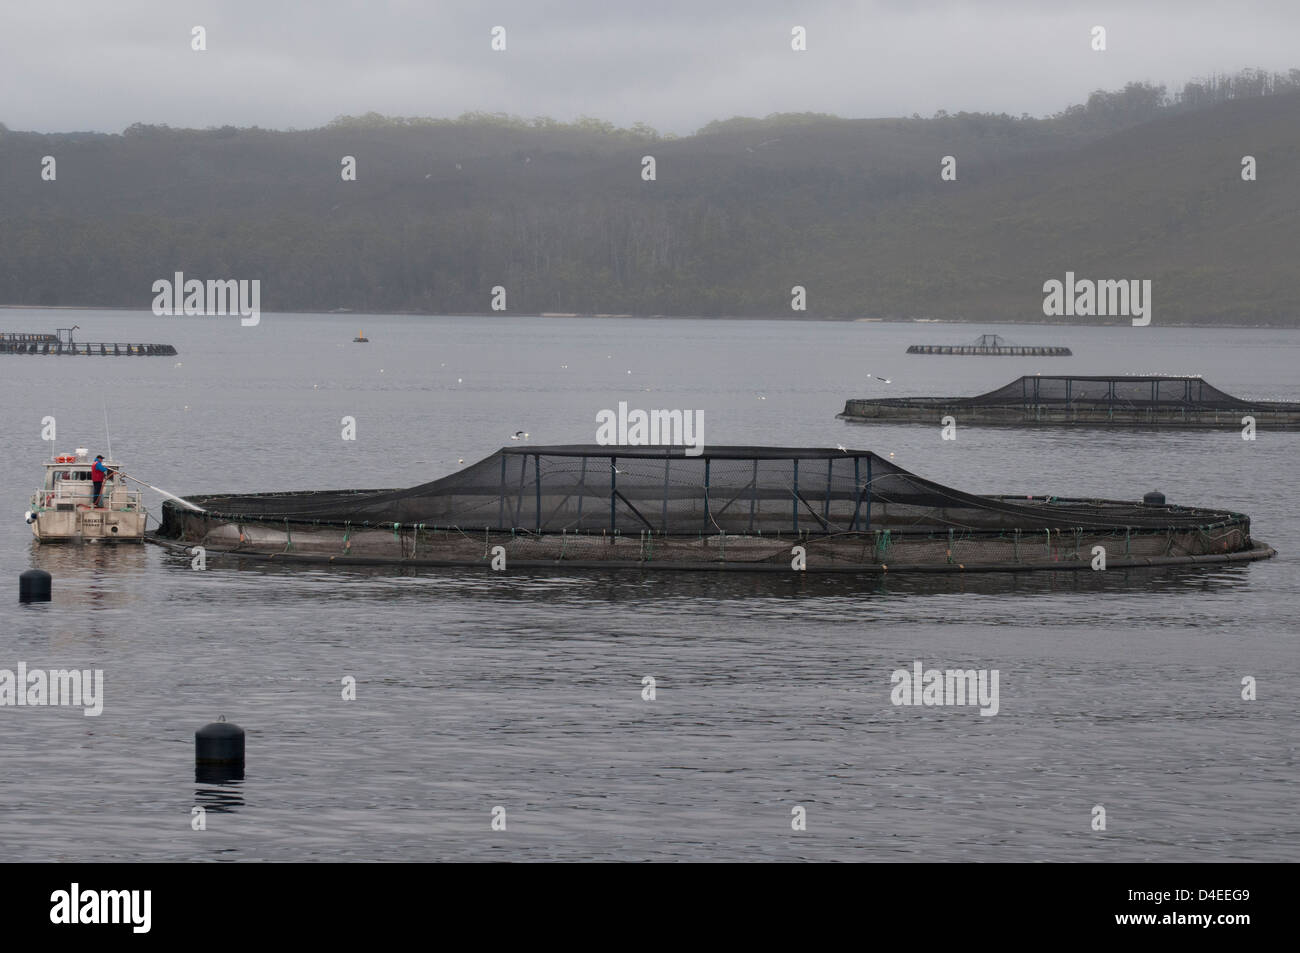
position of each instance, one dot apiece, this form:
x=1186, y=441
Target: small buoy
x=1154, y=498
x=219, y=752
x=34, y=586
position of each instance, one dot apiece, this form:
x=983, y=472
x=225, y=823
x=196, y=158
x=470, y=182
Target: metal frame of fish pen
x=859, y=528
x=86, y=349
x=881, y=551
x=1004, y=350
x=27, y=337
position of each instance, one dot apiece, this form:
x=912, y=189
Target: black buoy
x=1154, y=498
x=219, y=752
x=34, y=586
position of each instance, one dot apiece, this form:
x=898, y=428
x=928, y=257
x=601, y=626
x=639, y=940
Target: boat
x=780, y=509
x=61, y=509
x=361, y=338
x=1156, y=401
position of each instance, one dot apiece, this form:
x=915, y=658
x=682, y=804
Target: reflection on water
x=225, y=799
x=97, y=575
x=89, y=557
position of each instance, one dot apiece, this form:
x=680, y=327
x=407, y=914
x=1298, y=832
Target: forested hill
x=1132, y=184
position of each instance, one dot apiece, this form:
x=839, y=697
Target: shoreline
x=679, y=317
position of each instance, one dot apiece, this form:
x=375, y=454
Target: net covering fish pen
x=729, y=508
x=1159, y=401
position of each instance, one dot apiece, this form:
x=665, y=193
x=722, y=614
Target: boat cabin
x=68, y=482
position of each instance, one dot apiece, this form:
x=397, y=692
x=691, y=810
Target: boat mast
x=107, y=437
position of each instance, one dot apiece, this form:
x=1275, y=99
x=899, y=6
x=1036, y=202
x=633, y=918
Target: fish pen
x=63, y=344
x=1154, y=401
x=739, y=508
x=992, y=345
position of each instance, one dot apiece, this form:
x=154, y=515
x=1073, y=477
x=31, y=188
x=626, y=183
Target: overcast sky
x=675, y=64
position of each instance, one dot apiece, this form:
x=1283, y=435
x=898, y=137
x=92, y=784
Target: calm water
x=524, y=690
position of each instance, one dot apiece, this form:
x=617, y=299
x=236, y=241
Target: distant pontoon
x=61, y=343
x=992, y=344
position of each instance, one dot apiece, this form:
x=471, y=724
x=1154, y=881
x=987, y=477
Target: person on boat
x=98, y=473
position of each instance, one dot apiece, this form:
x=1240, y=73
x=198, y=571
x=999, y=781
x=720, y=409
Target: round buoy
x=1154, y=498
x=34, y=586
x=219, y=743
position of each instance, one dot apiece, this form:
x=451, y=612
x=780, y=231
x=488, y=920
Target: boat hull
x=84, y=524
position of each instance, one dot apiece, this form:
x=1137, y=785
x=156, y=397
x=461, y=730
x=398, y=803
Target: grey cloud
x=673, y=64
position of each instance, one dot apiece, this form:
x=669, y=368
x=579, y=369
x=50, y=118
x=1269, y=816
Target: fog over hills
x=1134, y=184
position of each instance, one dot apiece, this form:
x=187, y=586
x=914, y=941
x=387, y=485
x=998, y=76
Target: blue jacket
x=97, y=470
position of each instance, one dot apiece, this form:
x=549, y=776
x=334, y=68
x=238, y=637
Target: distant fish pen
x=62, y=343
x=1156, y=401
x=731, y=508
x=991, y=344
